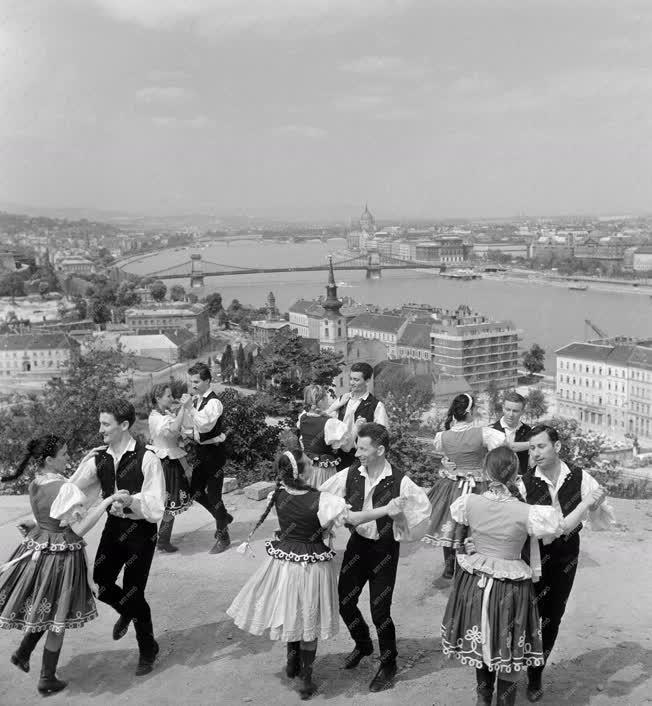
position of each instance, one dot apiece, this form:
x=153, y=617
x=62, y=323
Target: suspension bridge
x=197, y=269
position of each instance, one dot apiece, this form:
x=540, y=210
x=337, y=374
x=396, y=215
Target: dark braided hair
x=458, y=410
x=38, y=450
x=285, y=476
x=501, y=466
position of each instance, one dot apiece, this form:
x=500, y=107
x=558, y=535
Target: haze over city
x=302, y=109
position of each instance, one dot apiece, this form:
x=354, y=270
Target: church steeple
x=332, y=305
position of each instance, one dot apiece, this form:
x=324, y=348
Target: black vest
x=217, y=429
x=129, y=474
x=365, y=409
x=522, y=434
x=387, y=489
x=570, y=496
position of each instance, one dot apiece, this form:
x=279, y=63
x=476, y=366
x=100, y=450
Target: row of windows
x=389, y=337
x=598, y=369
x=43, y=354
x=413, y=353
x=591, y=383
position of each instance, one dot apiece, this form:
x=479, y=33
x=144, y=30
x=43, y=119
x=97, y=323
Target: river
x=549, y=315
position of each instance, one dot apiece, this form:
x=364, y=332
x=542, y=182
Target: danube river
x=549, y=315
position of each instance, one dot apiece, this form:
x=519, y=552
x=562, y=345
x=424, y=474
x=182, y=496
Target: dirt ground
x=603, y=655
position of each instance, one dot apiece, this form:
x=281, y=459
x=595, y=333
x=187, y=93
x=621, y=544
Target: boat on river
x=579, y=287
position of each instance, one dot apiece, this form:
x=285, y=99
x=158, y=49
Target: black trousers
x=552, y=591
x=375, y=562
x=207, y=481
x=129, y=545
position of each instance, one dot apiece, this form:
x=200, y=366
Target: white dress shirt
x=491, y=438
x=164, y=436
x=148, y=504
x=510, y=434
x=380, y=413
x=204, y=420
x=408, y=525
x=600, y=519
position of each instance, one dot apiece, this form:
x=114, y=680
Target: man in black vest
x=358, y=407
x=207, y=432
x=552, y=482
x=129, y=537
x=516, y=432
x=373, y=549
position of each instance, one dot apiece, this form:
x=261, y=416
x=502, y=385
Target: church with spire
x=333, y=330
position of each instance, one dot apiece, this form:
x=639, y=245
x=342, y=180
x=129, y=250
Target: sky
x=310, y=108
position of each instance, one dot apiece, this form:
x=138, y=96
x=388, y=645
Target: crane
x=597, y=330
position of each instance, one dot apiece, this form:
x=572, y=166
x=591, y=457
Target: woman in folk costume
x=466, y=446
x=164, y=431
x=491, y=621
x=294, y=593
x=45, y=586
x=314, y=426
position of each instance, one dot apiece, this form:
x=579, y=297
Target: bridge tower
x=374, y=270
x=196, y=271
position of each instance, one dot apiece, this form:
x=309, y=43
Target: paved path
x=604, y=655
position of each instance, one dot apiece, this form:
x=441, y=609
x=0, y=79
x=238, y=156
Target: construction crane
x=599, y=331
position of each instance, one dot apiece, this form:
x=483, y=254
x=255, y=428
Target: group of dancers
x=505, y=508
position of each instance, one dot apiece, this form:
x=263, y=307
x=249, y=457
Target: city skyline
x=304, y=110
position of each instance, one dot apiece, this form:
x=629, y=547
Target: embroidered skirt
x=177, y=488
x=49, y=589
x=443, y=531
x=294, y=598
x=492, y=622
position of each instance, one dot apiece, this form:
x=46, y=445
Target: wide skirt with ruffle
x=177, y=488
x=48, y=590
x=318, y=474
x=510, y=639
x=290, y=599
x=443, y=531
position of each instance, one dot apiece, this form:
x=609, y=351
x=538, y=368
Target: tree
x=81, y=307
x=193, y=298
x=578, y=447
x=177, y=293
x=126, y=294
x=533, y=360
x=249, y=374
x=494, y=399
x=214, y=303
x=227, y=364
x=240, y=361
x=158, y=290
x=290, y=364
x=43, y=288
x=100, y=312
x=69, y=406
x=12, y=285
x=535, y=404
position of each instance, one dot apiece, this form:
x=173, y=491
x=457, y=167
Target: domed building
x=367, y=221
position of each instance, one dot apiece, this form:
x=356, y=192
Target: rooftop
x=377, y=322
x=638, y=354
x=167, y=310
x=416, y=336
x=36, y=341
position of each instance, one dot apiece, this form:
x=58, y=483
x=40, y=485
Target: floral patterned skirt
x=292, y=600
x=443, y=531
x=48, y=590
x=492, y=622
x=177, y=488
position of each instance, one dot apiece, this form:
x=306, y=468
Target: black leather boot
x=308, y=687
x=165, y=534
x=293, y=666
x=21, y=656
x=354, y=657
x=223, y=541
x=48, y=683
x=506, y=692
x=384, y=678
x=147, y=646
x=534, y=684
x=485, y=689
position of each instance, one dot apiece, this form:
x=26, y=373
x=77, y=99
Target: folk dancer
x=45, y=586
x=164, y=432
x=516, y=432
x=552, y=482
x=207, y=431
x=464, y=447
x=357, y=407
x=128, y=540
x=372, y=552
x=293, y=595
x=491, y=621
